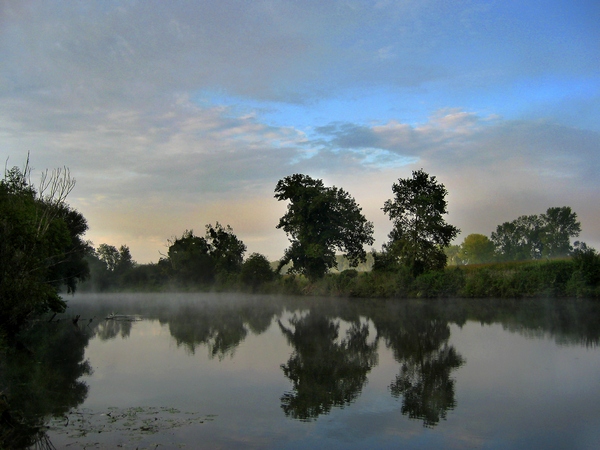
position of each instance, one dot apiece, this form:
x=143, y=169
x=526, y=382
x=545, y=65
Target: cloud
x=111, y=89
x=494, y=169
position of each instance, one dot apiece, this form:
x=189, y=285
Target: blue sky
x=172, y=115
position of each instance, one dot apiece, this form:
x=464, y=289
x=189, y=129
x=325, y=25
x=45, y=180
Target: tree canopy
x=419, y=232
x=256, y=270
x=476, y=249
x=198, y=260
x=537, y=236
x=41, y=245
x=320, y=220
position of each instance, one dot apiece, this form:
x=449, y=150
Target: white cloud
x=109, y=89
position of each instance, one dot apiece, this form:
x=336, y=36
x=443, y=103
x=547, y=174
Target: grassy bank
x=558, y=278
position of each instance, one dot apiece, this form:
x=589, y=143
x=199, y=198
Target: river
x=240, y=371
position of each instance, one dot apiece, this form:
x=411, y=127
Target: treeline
x=42, y=250
x=530, y=256
x=213, y=261
x=525, y=238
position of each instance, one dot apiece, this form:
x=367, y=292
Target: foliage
x=110, y=268
x=452, y=255
x=256, y=271
x=556, y=278
x=199, y=260
x=519, y=279
x=533, y=237
x=226, y=250
x=476, y=249
x=41, y=245
x=419, y=232
x=41, y=378
x=586, y=277
x=447, y=283
x=320, y=220
x=587, y=261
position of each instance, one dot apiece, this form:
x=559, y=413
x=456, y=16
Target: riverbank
x=527, y=279
x=558, y=278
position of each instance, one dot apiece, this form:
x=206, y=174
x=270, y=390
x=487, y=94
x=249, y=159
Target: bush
x=447, y=283
x=585, y=280
x=256, y=271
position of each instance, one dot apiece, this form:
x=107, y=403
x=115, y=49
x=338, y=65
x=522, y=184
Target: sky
x=172, y=115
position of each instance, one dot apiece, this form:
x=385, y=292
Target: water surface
x=231, y=371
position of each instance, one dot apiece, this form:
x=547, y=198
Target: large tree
x=320, y=220
x=560, y=225
x=189, y=259
x=41, y=245
x=198, y=260
x=420, y=232
x=533, y=237
x=225, y=248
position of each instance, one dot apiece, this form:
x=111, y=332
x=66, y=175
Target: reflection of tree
x=221, y=333
x=420, y=344
x=219, y=326
x=325, y=371
x=425, y=385
x=218, y=321
x=110, y=329
x=40, y=380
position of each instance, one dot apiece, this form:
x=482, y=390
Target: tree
x=196, y=259
x=116, y=265
x=420, y=232
x=190, y=259
x=226, y=249
x=41, y=245
x=533, y=237
x=319, y=221
x=519, y=240
x=452, y=254
x=560, y=225
x=109, y=255
x=476, y=249
x=256, y=270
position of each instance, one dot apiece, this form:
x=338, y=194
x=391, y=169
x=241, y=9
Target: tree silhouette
x=325, y=371
x=320, y=220
x=41, y=379
x=419, y=340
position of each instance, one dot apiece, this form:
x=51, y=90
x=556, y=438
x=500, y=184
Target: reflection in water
x=110, y=329
x=220, y=327
x=333, y=347
x=40, y=380
x=324, y=372
x=419, y=340
x=426, y=387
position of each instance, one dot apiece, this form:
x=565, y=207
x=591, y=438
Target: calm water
x=230, y=371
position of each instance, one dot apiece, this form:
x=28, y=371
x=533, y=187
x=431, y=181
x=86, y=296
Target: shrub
x=256, y=271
